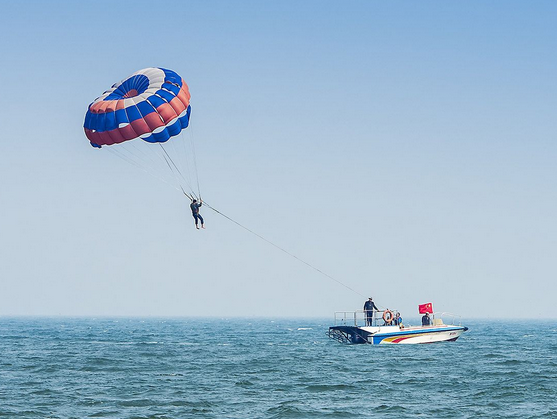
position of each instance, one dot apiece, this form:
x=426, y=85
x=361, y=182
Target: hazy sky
x=406, y=148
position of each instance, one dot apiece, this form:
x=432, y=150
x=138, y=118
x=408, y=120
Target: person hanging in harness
x=195, y=212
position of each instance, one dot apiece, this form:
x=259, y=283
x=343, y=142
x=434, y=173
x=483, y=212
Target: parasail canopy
x=152, y=104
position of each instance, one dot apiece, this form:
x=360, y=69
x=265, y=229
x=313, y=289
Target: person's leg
x=195, y=216
x=201, y=219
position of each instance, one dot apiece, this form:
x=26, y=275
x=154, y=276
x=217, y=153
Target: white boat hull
x=424, y=334
x=388, y=335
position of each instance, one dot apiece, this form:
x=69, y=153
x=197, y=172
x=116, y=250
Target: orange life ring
x=388, y=319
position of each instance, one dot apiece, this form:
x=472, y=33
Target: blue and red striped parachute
x=152, y=104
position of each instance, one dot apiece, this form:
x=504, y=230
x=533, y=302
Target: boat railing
x=452, y=319
x=349, y=318
x=358, y=318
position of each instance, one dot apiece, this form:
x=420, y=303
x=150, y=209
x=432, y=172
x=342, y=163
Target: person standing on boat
x=369, y=311
x=195, y=212
x=426, y=321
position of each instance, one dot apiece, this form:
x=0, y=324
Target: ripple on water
x=329, y=387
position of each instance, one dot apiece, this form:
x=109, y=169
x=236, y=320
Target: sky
x=406, y=149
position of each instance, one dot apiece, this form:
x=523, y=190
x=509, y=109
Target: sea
x=269, y=368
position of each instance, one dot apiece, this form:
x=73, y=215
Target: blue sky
x=405, y=148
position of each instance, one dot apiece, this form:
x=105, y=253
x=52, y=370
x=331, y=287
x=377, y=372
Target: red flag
x=425, y=308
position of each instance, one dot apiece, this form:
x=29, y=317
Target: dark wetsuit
x=195, y=212
x=369, y=308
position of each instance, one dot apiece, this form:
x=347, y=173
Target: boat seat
x=438, y=322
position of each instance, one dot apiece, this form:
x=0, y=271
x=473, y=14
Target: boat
x=350, y=327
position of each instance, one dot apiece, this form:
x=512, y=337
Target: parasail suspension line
x=189, y=196
x=127, y=159
x=167, y=158
x=195, y=161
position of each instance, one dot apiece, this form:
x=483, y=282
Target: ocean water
x=264, y=368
